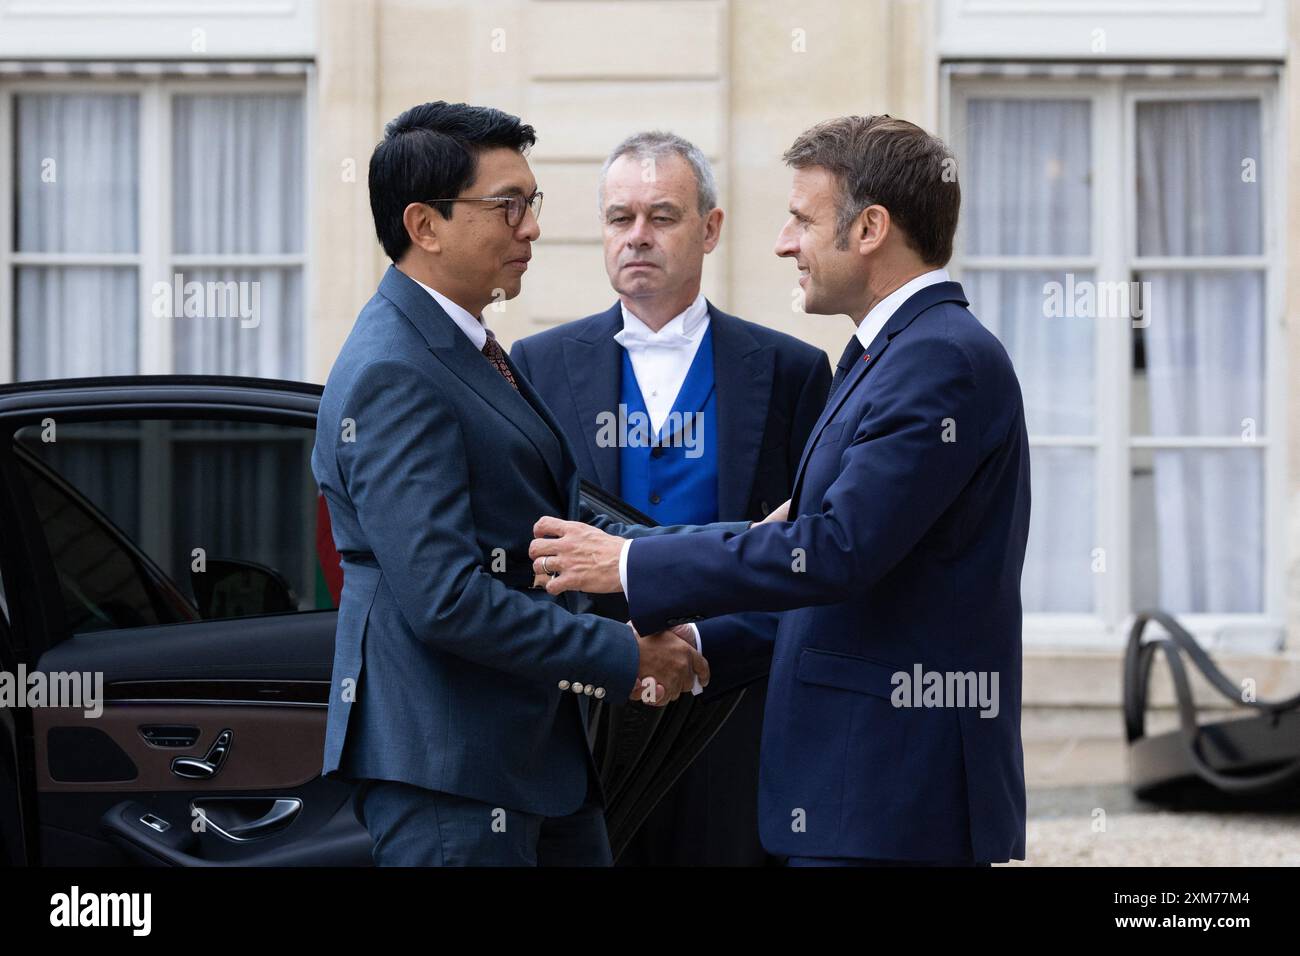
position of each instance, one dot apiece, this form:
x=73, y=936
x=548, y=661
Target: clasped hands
x=574, y=556
x=667, y=666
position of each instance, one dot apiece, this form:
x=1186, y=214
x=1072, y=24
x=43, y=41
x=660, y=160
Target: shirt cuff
x=622, y=565
x=696, y=689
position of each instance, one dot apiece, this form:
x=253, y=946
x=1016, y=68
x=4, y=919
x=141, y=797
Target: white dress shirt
x=868, y=329
x=471, y=326
x=884, y=310
x=661, y=360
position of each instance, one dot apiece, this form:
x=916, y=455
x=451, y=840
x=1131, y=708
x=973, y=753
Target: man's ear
x=422, y=222
x=712, y=229
x=871, y=229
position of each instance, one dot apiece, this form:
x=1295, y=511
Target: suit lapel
x=454, y=349
x=594, y=364
x=742, y=373
x=901, y=319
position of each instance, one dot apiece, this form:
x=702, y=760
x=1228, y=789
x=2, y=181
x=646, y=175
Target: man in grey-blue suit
x=459, y=693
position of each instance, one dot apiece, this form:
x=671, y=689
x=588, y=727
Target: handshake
x=668, y=665
x=574, y=556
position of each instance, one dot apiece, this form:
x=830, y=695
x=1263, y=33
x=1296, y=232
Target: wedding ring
x=547, y=568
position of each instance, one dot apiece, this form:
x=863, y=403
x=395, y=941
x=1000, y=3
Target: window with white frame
x=1118, y=236
x=152, y=226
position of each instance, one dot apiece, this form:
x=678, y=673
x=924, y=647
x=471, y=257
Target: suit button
x=657, y=451
x=577, y=688
x=600, y=692
x=564, y=685
x=589, y=690
x=655, y=499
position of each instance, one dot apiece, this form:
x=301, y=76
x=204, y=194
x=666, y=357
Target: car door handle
x=225, y=816
x=279, y=816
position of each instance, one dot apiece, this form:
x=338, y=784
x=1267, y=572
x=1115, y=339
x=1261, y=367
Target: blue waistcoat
x=672, y=476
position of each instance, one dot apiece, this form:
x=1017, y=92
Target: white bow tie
x=635, y=340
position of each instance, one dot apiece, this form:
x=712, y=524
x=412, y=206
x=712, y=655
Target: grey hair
x=654, y=144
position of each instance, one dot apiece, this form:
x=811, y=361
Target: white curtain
x=77, y=189
x=238, y=164
x=1054, y=360
x=1205, y=368
x=230, y=345
x=1199, y=168
x=1026, y=184
x=1026, y=179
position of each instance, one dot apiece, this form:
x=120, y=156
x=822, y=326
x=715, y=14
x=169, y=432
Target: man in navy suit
x=892, y=729
x=729, y=404
x=459, y=694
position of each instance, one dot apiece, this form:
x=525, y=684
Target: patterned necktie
x=852, y=352
x=497, y=356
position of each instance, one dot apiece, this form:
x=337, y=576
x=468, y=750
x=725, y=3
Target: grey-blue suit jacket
x=447, y=664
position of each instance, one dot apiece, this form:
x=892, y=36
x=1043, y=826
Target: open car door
x=641, y=750
x=164, y=536
x=160, y=538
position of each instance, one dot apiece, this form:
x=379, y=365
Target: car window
x=160, y=521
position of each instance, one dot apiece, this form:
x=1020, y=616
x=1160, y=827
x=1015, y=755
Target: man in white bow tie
x=692, y=416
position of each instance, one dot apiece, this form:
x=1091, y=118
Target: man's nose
x=529, y=228
x=640, y=236
x=785, y=243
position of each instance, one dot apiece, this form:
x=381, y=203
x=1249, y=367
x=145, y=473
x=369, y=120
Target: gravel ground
x=1065, y=828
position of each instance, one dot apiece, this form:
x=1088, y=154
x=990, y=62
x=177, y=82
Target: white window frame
x=1113, y=258
x=155, y=259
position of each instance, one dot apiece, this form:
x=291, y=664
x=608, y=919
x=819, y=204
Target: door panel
x=269, y=748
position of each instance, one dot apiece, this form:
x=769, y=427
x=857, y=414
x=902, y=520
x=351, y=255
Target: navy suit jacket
x=770, y=389
x=447, y=664
x=912, y=505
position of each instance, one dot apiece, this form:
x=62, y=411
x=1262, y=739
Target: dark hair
x=431, y=152
x=879, y=160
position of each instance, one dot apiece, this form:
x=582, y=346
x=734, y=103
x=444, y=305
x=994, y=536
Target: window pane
x=104, y=581
x=1200, y=369
x=238, y=168
x=1198, y=180
x=101, y=461
x=1058, y=574
x=1051, y=344
x=78, y=172
x=1198, y=530
x=1027, y=177
x=246, y=496
x=249, y=322
x=124, y=508
x=76, y=321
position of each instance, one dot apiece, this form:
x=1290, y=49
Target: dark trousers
x=412, y=826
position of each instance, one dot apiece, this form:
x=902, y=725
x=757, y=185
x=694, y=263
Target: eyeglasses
x=514, y=205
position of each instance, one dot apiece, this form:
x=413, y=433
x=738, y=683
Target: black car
x=166, y=533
